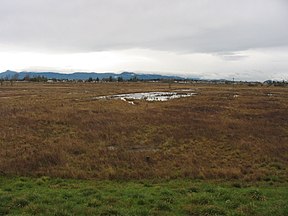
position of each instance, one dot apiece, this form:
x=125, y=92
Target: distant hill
x=84, y=75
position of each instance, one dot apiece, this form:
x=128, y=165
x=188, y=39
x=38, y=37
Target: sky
x=211, y=39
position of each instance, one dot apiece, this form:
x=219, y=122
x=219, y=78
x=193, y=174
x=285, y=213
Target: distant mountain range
x=84, y=75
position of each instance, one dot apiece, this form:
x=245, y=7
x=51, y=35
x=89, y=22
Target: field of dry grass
x=59, y=130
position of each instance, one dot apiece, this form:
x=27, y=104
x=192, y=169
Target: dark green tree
x=120, y=79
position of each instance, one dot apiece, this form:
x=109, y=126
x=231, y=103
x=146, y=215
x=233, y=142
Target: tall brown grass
x=60, y=130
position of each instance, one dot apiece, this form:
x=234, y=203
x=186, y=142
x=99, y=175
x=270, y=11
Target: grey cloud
x=180, y=26
x=231, y=56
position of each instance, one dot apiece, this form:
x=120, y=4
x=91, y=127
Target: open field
x=45, y=196
x=59, y=130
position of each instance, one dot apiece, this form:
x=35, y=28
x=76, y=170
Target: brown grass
x=59, y=130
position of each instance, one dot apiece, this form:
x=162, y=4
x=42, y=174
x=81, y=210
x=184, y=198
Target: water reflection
x=149, y=96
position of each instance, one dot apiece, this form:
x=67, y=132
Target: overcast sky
x=245, y=39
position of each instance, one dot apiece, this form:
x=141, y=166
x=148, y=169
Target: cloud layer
x=229, y=32
x=182, y=25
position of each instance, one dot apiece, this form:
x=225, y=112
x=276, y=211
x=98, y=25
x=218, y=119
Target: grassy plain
x=59, y=130
x=45, y=196
x=209, y=154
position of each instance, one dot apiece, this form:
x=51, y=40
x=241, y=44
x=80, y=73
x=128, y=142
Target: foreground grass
x=45, y=196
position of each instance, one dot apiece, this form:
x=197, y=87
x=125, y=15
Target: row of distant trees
x=15, y=77
x=45, y=79
x=109, y=79
x=27, y=77
x=112, y=79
